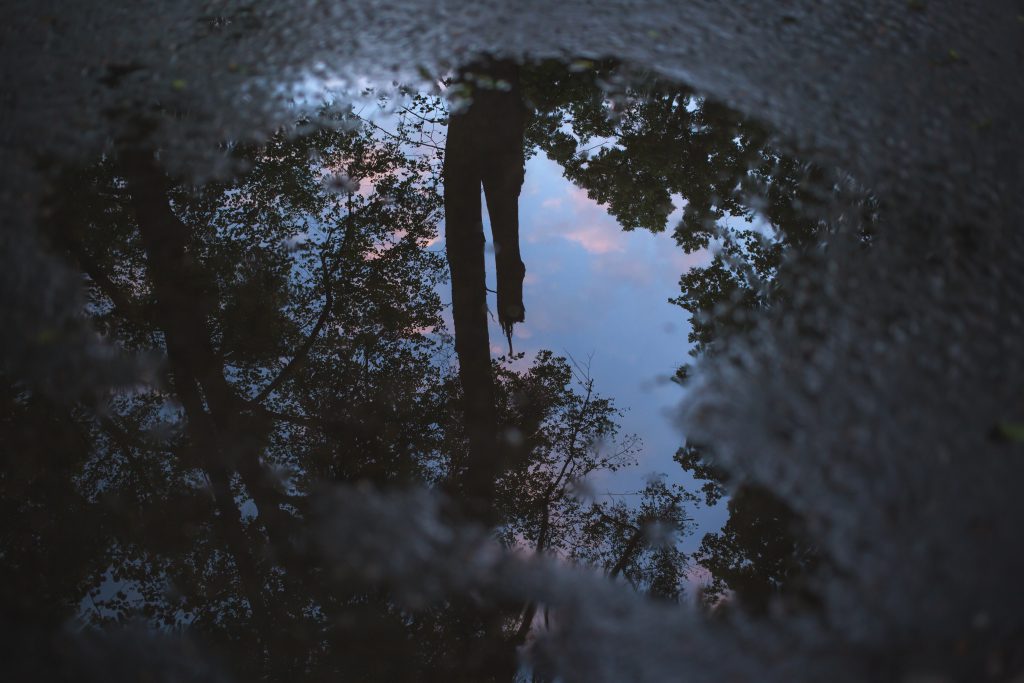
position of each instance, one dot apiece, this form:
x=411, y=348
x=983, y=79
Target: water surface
x=431, y=382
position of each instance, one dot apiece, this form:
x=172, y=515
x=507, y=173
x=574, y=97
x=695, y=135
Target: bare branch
x=396, y=136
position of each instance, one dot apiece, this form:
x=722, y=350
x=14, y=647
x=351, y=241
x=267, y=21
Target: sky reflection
x=600, y=295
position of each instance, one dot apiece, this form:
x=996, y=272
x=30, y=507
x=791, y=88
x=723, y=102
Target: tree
x=296, y=306
x=484, y=147
x=659, y=146
x=295, y=313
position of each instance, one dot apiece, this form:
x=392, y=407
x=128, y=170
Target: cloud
x=597, y=239
x=599, y=233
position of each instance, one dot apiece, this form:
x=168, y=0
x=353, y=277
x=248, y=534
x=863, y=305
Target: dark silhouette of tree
x=484, y=148
x=760, y=555
x=642, y=148
x=296, y=306
x=294, y=313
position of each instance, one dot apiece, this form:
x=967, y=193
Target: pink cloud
x=600, y=233
x=596, y=239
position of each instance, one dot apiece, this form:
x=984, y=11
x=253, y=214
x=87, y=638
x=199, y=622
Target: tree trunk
x=484, y=148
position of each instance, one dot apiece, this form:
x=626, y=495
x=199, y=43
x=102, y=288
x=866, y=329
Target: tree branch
x=122, y=302
x=627, y=553
x=307, y=345
x=399, y=138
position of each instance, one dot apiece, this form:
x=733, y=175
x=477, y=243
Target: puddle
x=572, y=303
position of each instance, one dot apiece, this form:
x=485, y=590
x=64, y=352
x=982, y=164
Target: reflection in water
x=297, y=308
x=297, y=315
x=484, y=148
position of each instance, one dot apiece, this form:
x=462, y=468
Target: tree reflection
x=484, y=148
x=296, y=306
x=294, y=314
x=643, y=148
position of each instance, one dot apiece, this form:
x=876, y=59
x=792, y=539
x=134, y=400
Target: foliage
x=301, y=330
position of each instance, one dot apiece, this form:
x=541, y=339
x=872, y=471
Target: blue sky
x=595, y=291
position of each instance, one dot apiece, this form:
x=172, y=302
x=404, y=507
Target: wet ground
x=702, y=359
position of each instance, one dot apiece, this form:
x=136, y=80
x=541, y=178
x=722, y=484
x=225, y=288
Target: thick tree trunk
x=182, y=311
x=484, y=149
x=228, y=439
